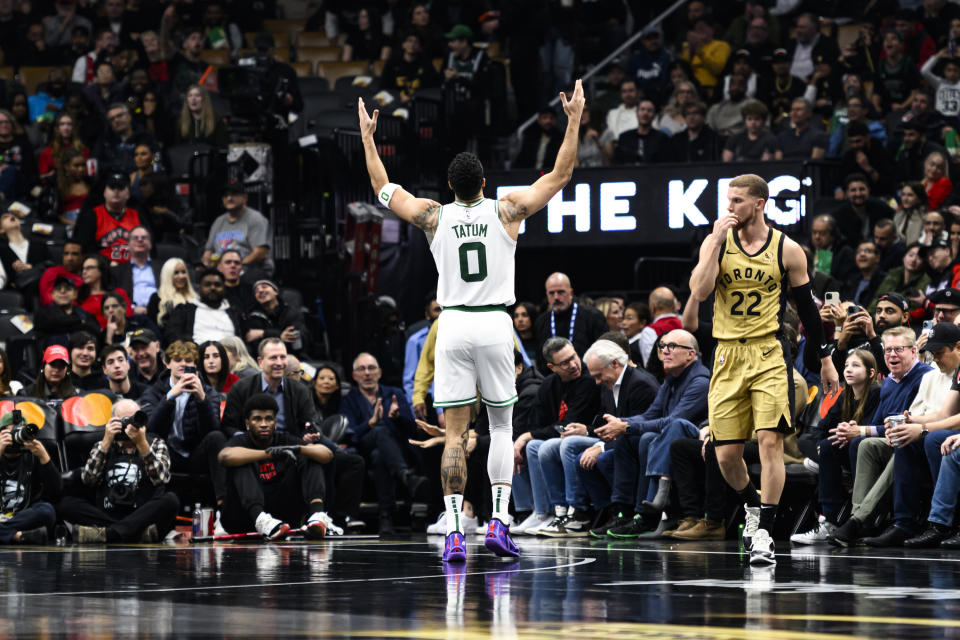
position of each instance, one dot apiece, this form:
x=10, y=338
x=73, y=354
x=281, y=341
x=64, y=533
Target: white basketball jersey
x=474, y=255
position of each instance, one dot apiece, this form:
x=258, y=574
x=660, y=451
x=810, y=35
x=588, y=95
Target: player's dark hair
x=259, y=402
x=465, y=175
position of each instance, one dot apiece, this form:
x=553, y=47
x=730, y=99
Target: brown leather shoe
x=685, y=524
x=703, y=530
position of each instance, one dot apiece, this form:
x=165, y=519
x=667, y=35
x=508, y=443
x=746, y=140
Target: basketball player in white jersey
x=473, y=241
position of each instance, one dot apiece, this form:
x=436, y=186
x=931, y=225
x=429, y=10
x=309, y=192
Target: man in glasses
x=858, y=330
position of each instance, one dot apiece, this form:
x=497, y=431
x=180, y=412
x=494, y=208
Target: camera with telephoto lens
x=22, y=432
x=138, y=420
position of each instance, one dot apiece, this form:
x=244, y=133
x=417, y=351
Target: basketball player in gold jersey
x=749, y=264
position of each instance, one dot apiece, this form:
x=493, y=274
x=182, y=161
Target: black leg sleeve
x=715, y=487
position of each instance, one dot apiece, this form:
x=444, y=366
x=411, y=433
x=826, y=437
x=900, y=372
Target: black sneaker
x=929, y=539
x=846, y=534
x=34, y=537
x=617, y=520
x=386, y=524
x=631, y=529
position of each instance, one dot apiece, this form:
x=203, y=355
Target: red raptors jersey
x=112, y=234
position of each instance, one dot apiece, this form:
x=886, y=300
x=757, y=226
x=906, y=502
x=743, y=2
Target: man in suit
x=624, y=391
x=140, y=277
x=643, y=451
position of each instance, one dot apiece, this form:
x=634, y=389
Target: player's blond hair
x=754, y=184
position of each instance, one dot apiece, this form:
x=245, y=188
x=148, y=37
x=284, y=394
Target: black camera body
x=21, y=433
x=138, y=420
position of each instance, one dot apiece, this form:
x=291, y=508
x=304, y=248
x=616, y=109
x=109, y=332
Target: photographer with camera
x=26, y=476
x=858, y=330
x=127, y=472
x=270, y=472
x=183, y=410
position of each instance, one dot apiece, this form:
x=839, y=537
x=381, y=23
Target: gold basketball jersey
x=749, y=293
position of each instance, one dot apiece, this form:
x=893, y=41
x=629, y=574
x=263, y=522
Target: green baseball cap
x=460, y=31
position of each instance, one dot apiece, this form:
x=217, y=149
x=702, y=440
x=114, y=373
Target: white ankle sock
x=454, y=506
x=501, y=502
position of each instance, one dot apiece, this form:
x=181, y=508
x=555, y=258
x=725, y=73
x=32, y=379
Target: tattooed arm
x=420, y=212
x=519, y=205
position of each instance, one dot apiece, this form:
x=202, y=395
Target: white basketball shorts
x=474, y=351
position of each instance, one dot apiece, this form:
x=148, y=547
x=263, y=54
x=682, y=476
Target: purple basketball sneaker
x=455, y=548
x=498, y=540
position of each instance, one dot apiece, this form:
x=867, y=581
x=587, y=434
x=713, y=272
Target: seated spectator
x=84, y=374
x=367, y=42
x=912, y=149
x=671, y=120
x=644, y=144
x=725, y=116
x=199, y=122
x=663, y=307
x=866, y=156
x=859, y=212
x=140, y=277
x=273, y=472
x=755, y=143
x=73, y=186
x=273, y=318
x=129, y=506
x=114, y=150
x=104, y=91
x=238, y=291
x=29, y=480
x=105, y=229
x=936, y=179
x=581, y=324
x=623, y=117
x=828, y=85
x=862, y=287
x=890, y=245
x=589, y=151
x=153, y=119
x=242, y=229
x=801, y=140
x=832, y=254
x=523, y=315
x=185, y=412
x=63, y=137
x=808, y=44
x=381, y=423
x=58, y=28
x=160, y=208
x=211, y=317
x=143, y=161
x=924, y=121
x=857, y=111
x=856, y=404
x=187, y=66
x=20, y=108
x=17, y=175
x=96, y=283
x=409, y=70
x=221, y=31
x=175, y=289
x=934, y=229
x=241, y=363
x=910, y=279
x=216, y=368
x=947, y=86
x=8, y=387
x=327, y=393
x=909, y=215
x=56, y=321
x=116, y=368
x=53, y=382
x=23, y=260
x=145, y=353
x=897, y=78
x=538, y=149
x=635, y=318
x=707, y=56
x=104, y=45
x=612, y=310
x=567, y=396
x=785, y=88
x=697, y=142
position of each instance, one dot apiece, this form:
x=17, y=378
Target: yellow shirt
x=749, y=292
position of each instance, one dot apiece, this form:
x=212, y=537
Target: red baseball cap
x=56, y=352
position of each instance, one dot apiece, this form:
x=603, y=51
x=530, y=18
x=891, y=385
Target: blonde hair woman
x=175, y=288
x=241, y=364
x=198, y=121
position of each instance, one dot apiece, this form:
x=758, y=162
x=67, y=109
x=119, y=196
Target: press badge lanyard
x=573, y=321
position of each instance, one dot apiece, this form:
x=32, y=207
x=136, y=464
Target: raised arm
x=420, y=212
x=704, y=276
x=519, y=205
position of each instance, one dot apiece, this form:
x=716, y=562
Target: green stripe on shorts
x=505, y=403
